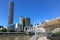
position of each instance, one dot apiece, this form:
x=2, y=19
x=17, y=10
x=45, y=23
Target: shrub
x=57, y=33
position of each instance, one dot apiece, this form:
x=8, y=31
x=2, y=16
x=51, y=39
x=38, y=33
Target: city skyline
x=34, y=9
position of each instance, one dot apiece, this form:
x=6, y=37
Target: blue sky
x=34, y=9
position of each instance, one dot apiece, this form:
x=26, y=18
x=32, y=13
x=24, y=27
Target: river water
x=20, y=37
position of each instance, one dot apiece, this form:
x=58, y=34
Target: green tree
x=3, y=30
x=57, y=33
x=11, y=30
x=21, y=31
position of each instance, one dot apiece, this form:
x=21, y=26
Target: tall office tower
x=27, y=21
x=11, y=13
x=22, y=21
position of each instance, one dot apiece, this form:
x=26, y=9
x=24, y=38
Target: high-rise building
x=11, y=13
x=18, y=27
x=27, y=21
x=22, y=21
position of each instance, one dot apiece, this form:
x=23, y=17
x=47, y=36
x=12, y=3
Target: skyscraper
x=27, y=21
x=11, y=13
x=22, y=21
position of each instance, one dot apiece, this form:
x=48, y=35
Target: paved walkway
x=42, y=38
x=39, y=37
